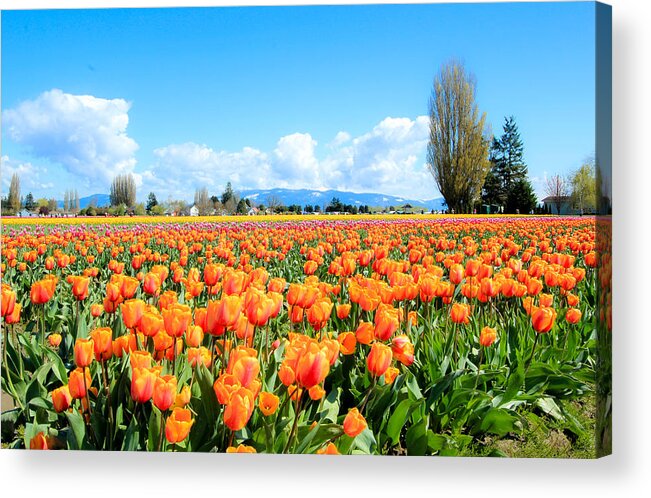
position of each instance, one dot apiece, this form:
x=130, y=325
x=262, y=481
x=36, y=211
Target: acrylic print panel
x=346, y=230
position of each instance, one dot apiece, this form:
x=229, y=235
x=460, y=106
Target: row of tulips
x=323, y=337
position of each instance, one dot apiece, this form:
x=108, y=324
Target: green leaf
x=436, y=442
x=439, y=388
x=78, y=427
x=498, y=421
x=417, y=440
x=549, y=406
x=131, y=438
x=331, y=406
x=318, y=436
x=58, y=367
x=154, y=429
x=398, y=419
x=365, y=441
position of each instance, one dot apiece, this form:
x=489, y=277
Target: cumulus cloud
x=85, y=134
x=31, y=177
x=388, y=159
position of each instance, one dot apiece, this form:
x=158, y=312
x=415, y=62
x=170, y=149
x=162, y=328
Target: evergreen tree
x=521, y=198
x=151, y=202
x=507, y=166
x=30, y=205
x=227, y=194
x=77, y=202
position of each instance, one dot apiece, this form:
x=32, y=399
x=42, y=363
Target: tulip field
x=352, y=335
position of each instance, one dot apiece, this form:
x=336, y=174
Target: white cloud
x=31, y=177
x=386, y=160
x=85, y=134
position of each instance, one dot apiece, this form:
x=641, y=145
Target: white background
x=626, y=473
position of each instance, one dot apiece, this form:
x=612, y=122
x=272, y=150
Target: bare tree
x=273, y=203
x=557, y=189
x=123, y=190
x=457, y=153
x=202, y=201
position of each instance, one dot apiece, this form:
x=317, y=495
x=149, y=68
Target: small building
x=253, y=211
x=194, y=211
x=552, y=202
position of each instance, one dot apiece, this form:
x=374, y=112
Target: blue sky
x=294, y=97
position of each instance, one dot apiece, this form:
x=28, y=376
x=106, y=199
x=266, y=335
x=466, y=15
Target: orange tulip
x=316, y=392
x=176, y=319
x=487, y=336
x=178, y=425
x=379, y=359
x=54, y=340
x=242, y=448
x=268, y=403
x=286, y=374
x=84, y=349
x=43, y=290
x=312, y=368
x=347, y=343
x=239, y=409
x=102, y=343
x=61, y=398
x=343, y=311
x=142, y=384
x=365, y=333
x=198, y=356
x=132, y=311
x=329, y=449
x=386, y=323
x=456, y=274
x=14, y=317
x=8, y=300
x=76, y=384
x=164, y=392
x=573, y=315
x=390, y=375
x=79, y=286
x=543, y=319
x=151, y=284
x=354, y=423
x=403, y=350
x=460, y=313
x=39, y=442
x=545, y=299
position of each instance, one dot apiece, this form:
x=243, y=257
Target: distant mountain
x=101, y=200
x=321, y=198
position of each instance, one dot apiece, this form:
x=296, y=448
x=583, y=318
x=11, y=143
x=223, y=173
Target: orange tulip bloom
x=61, y=398
x=178, y=425
x=403, y=350
x=151, y=284
x=140, y=359
x=164, y=392
x=487, y=336
x=142, y=384
x=183, y=398
x=354, y=423
x=76, y=384
x=39, y=442
x=343, y=311
x=312, y=368
x=239, y=409
x=365, y=333
x=543, y=319
x=316, y=392
x=573, y=315
x=225, y=385
x=132, y=311
x=194, y=336
x=96, y=310
x=329, y=449
x=390, y=375
x=102, y=343
x=545, y=300
x=242, y=448
x=379, y=359
x=14, y=317
x=268, y=403
x=460, y=313
x=84, y=349
x=8, y=300
x=151, y=324
x=456, y=274
x=197, y=356
x=54, y=340
x=79, y=286
x=286, y=374
x=386, y=323
x=176, y=319
x=347, y=343
x=43, y=290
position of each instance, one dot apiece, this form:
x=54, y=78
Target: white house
x=194, y=211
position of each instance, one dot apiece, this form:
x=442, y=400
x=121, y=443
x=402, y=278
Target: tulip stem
x=295, y=424
x=533, y=350
x=368, y=394
x=162, y=431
